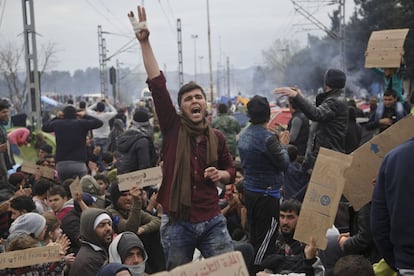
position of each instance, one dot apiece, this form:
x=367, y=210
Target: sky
x=240, y=30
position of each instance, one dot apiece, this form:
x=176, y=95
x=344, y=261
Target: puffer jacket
x=136, y=150
x=330, y=123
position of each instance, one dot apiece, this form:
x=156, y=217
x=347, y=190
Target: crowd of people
x=223, y=188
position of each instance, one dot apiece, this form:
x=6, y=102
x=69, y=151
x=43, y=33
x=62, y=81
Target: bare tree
x=12, y=70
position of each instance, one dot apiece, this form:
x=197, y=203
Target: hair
x=82, y=104
x=102, y=177
x=290, y=205
x=390, y=92
x=52, y=222
x=352, y=265
x=190, y=86
x=293, y=104
x=23, y=203
x=107, y=157
x=65, y=184
x=58, y=190
x=4, y=104
x=100, y=107
x=23, y=242
x=16, y=178
x=222, y=108
x=41, y=186
x=292, y=152
x=69, y=112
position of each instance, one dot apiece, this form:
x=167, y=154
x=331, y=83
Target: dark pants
x=263, y=220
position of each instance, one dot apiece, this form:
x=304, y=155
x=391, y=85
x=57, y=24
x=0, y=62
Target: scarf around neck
x=180, y=195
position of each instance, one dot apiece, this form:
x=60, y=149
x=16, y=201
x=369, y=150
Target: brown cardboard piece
x=335, y=173
x=231, y=263
x=141, y=178
x=75, y=188
x=32, y=168
x=31, y=256
x=322, y=197
x=367, y=160
x=385, y=47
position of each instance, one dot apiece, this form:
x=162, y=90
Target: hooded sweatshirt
x=119, y=248
x=93, y=253
x=136, y=148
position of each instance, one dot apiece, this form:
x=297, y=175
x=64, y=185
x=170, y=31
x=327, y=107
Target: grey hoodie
x=123, y=243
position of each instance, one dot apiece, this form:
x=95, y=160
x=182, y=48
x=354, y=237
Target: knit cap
x=141, y=116
x=335, y=78
x=89, y=185
x=29, y=223
x=258, y=110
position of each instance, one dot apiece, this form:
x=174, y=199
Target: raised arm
x=142, y=33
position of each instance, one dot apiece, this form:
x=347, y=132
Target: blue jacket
x=263, y=159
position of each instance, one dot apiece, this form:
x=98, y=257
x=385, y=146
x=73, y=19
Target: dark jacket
x=71, y=228
x=330, y=122
x=299, y=137
x=136, y=150
x=392, y=220
x=92, y=254
x=361, y=241
x=71, y=136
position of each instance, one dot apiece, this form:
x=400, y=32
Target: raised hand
x=140, y=27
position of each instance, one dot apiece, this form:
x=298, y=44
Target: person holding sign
x=195, y=159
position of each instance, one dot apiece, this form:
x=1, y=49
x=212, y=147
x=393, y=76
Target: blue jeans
x=179, y=239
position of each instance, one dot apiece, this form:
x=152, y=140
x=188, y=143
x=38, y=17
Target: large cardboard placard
x=385, y=48
x=141, y=178
x=32, y=168
x=367, y=159
x=31, y=256
x=335, y=173
x=226, y=264
x=322, y=197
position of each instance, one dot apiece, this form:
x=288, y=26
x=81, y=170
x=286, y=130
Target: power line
x=104, y=16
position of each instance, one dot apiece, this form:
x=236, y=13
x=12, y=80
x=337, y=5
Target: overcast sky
x=239, y=29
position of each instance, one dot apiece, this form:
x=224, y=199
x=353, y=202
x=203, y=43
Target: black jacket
x=330, y=122
x=136, y=150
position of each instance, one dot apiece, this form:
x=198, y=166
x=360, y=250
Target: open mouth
x=195, y=110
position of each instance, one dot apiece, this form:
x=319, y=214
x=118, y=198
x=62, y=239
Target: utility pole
x=32, y=72
x=228, y=75
x=180, y=54
x=195, y=36
x=102, y=63
x=209, y=54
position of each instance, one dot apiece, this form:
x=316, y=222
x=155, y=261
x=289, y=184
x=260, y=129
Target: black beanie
x=335, y=78
x=141, y=116
x=100, y=107
x=258, y=110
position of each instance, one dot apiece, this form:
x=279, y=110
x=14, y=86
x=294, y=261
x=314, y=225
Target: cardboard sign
x=367, y=159
x=75, y=187
x=32, y=168
x=322, y=197
x=335, y=173
x=141, y=178
x=31, y=256
x=385, y=48
x=226, y=264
